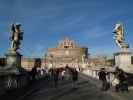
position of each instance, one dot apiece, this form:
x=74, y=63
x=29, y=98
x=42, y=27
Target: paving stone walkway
x=87, y=89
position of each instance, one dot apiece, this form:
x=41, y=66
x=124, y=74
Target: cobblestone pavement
x=87, y=89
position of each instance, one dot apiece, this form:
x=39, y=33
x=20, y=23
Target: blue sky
x=44, y=22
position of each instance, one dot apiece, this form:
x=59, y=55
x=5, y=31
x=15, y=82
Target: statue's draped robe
x=119, y=36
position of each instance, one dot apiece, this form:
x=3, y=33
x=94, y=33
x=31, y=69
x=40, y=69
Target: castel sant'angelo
x=67, y=52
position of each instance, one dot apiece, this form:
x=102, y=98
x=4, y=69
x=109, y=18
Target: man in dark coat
x=74, y=76
x=55, y=77
x=34, y=73
x=102, y=76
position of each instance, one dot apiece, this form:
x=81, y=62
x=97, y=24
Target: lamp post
x=45, y=60
x=51, y=57
x=83, y=59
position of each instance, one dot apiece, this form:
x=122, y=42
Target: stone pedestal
x=123, y=61
x=13, y=61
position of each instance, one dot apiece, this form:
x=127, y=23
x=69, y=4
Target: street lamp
x=83, y=59
x=51, y=57
x=45, y=59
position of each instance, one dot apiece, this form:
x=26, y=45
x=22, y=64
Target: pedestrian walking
x=102, y=77
x=56, y=77
x=47, y=74
x=67, y=73
x=63, y=75
x=74, y=77
x=122, y=78
x=33, y=73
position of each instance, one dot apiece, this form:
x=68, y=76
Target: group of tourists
x=55, y=75
x=74, y=75
x=66, y=73
x=120, y=81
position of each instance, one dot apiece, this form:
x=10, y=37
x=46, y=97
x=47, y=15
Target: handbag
x=115, y=82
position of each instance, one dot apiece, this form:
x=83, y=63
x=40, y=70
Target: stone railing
x=93, y=72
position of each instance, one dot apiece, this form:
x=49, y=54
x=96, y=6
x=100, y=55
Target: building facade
x=67, y=52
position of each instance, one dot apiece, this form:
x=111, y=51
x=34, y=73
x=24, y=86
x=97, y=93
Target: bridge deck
x=88, y=89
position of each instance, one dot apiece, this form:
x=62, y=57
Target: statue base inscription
x=123, y=61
